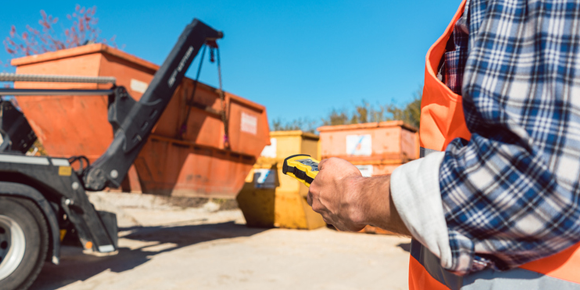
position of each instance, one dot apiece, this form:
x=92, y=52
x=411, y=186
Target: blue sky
x=300, y=59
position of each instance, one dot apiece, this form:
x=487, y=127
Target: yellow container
x=271, y=199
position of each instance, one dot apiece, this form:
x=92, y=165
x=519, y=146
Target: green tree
x=365, y=113
x=336, y=118
x=302, y=124
x=362, y=113
x=410, y=114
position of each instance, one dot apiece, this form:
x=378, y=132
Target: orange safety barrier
x=193, y=163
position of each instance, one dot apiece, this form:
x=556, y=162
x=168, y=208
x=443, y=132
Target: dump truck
x=44, y=198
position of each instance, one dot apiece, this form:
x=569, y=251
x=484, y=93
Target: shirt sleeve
x=416, y=195
x=511, y=195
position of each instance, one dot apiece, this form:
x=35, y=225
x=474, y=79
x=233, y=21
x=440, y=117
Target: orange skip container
x=375, y=148
x=195, y=163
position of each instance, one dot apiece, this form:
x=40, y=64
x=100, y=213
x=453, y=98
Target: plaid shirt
x=512, y=193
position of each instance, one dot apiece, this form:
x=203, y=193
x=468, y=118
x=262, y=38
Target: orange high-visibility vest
x=442, y=121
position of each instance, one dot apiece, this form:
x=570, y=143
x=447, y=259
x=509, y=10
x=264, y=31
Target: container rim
x=372, y=125
x=291, y=133
x=83, y=50
x=105, y=49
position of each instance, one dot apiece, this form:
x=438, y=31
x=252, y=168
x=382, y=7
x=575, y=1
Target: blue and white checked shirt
x=512, y=194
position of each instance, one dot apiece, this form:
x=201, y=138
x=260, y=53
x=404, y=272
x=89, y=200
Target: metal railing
x=10, y=77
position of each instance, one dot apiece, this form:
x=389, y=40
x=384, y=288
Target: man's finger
x=327, y=221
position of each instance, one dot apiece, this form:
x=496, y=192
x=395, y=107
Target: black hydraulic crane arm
x=133, y=121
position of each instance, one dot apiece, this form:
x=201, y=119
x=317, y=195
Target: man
x=499, y=189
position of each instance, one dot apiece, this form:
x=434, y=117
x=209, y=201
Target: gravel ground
x=164, y=245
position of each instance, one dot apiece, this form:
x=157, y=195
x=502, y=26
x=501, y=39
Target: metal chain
x=188, y=103
x=224, y=106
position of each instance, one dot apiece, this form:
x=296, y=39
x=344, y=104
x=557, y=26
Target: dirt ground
x=164, y=245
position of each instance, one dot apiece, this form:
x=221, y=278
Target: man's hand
x=349, y=201
x=334, y=194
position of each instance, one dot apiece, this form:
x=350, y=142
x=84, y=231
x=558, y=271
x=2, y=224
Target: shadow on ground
x=405, y=246
x=75, y=266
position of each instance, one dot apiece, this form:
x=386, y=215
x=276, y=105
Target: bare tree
x=48, y=37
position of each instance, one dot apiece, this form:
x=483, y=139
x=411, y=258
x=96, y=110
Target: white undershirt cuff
x=417, y=197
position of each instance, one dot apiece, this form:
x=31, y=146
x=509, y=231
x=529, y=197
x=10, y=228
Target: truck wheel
x=23, y=242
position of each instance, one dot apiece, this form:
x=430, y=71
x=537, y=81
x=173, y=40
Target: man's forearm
x=381, y=210
x=350, y=201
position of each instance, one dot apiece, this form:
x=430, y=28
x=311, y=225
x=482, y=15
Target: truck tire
x=23, y=242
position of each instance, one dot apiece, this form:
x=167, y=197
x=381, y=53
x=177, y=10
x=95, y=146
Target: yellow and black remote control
x=302, y=167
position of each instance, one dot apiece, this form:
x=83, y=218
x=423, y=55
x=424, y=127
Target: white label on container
x=270, y=150
x=138, y=86
x=359, y=145
x=249, y=124
x=264, y=178
x=365, y=170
